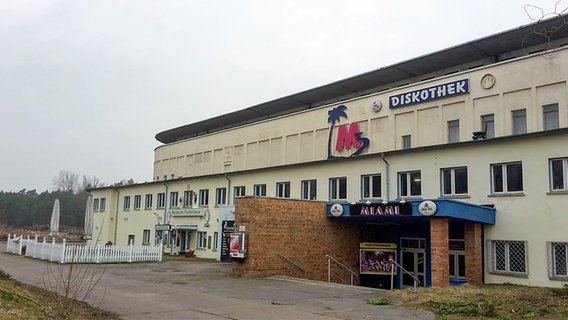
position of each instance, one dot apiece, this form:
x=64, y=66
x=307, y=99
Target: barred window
x=508, y=257
x=557, y=260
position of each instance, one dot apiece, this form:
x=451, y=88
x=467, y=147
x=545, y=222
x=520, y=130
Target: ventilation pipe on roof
x=387, y=180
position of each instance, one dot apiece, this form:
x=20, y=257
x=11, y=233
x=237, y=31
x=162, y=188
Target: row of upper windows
x=506, y=178
x=550, y=117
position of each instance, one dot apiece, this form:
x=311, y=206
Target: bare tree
x=90, y=182
x=66, y=181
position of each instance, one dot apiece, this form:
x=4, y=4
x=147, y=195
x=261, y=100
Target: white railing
x=81, y=253
x=330, y=274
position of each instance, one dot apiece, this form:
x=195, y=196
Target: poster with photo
x=375, y=258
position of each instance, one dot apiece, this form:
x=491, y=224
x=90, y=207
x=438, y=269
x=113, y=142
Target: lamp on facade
x=368, y=202
x=385, y=202
x=402, y=201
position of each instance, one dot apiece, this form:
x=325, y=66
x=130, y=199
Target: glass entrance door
x=413, y=259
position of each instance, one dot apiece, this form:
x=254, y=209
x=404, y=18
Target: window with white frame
x=126, y=203
x=148, y=204
x=550, y=116
x=406, y=142
x=201, y=240
x=370, y=186
x=283, y=189
x=146, y=237
x=137, y=202
x=453, y=131
x=215, y=241
x=488, y=126
x=174, y=196
x=558, y=174
x=338, y=189
x=239, y=191
x=220, y=196
x=508, y=257
x=259, y=190
x=96, y=205
x=309, y=189
x=507, y=178
x=204, y=197
x=161, y=200
x=557, y=253
x=102, y=206
x=454, y=181
x=187, y=198
x=519, y=118
x=409, y=184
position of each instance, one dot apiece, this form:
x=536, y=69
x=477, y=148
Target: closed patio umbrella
x=54, y=224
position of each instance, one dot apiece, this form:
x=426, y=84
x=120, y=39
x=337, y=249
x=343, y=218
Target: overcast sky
x=86, y=85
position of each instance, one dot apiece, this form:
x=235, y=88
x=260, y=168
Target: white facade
x=521, y=168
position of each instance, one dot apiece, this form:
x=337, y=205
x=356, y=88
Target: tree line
x=27, y=208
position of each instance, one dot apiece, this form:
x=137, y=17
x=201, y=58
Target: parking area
x=195, y=289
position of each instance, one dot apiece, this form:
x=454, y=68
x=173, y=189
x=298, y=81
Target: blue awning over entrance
x=411, y=211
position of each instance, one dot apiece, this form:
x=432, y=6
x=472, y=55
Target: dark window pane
x=447, y=181
x=461, y=180
x=514, y=177
x=376, y=186
x=497, y=178
x=415, y=183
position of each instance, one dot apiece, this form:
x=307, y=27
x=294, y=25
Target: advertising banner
x=375, y=258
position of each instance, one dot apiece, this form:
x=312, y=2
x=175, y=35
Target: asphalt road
x=206, y=290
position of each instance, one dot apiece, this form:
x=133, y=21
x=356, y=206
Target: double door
x=413, y=260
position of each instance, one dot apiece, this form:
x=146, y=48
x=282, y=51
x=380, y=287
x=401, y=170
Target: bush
x=4, y=274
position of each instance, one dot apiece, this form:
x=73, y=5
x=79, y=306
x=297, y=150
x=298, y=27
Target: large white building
x=480, y=130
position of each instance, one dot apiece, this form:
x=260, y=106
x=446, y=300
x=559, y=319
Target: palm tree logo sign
x=347, y=137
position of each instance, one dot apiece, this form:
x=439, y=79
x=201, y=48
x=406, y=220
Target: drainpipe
x=172, y=241
x=386, y=176
x=116, y=214
x=228, y=189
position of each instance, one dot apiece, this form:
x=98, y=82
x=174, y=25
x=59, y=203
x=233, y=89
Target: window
x=454, y=181
x=457, y=258
x=96, y=205
x=488, y=126
x=174, y=196
x=371, y=186
x=201, y=239
x=453, y=131
x=309, y=189
x=283, y=189
x=508, y=257
x=406, y=142
x=187, y=198
x=550, y=116
x=507, y=177
x=557, y=260
x=338, y=189
x=137, y=201
x=558, y=174
x=221, y=196
x=131, y=239
x=215, y=241
x=204, y=197
x=259, y=190
x=126, y=203
x=161, y=200
x=146, y=237
x=519, y=121
x=148, y=204
x=102, y=204
x=239, y=191
x=409, y=184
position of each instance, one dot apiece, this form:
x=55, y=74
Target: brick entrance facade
x=293, y=238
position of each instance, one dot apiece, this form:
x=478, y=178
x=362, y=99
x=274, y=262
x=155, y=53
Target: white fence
x=81, y=253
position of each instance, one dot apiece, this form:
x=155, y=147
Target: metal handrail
x=292, y=262
x=329, y=258
x=416, y=281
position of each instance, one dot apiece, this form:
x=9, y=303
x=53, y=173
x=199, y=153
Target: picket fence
x=81, y=253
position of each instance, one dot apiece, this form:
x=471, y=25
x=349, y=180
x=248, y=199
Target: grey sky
x=85, y=85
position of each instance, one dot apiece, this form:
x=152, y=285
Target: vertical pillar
x=473, y=253
x=439, y=243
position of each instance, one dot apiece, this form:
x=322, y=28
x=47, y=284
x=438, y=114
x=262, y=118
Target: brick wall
x=440, y=252
x=473, y=253
x=296, y=229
